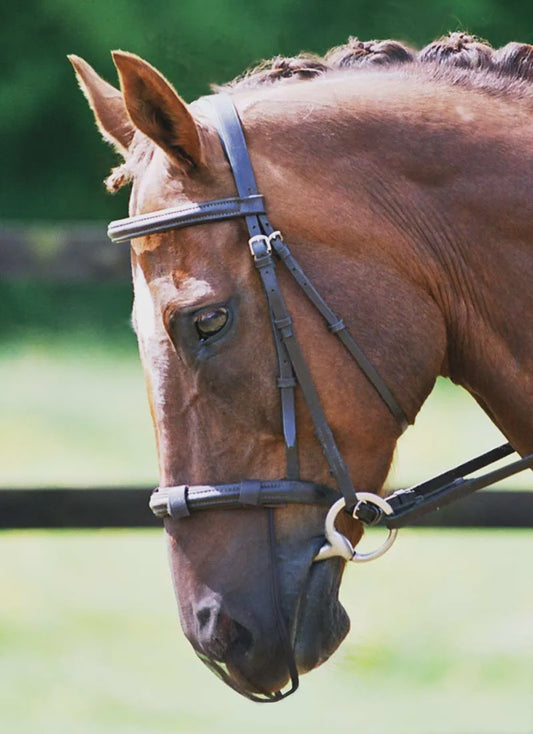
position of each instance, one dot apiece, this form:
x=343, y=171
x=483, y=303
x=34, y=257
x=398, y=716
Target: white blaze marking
x=191, y=290
x=144, y=306
x=154, y=344
x=155, y=348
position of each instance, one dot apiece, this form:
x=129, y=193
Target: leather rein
x=267, y=249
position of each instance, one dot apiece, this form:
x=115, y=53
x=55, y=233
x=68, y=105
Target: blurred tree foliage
x=53, y=160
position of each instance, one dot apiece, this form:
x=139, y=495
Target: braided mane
x=458, y=58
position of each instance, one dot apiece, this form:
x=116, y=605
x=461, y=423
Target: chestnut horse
x=401, y=181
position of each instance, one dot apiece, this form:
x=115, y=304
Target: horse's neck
x=471, y=215
x=490, y=347
x=484, y=290
x=437, y=185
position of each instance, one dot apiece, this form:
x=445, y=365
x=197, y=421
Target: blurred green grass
x=74, y=414
x=73, y=408
x=441, y=642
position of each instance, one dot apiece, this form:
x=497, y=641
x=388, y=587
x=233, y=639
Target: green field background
x=53, y=161
x=440, y=642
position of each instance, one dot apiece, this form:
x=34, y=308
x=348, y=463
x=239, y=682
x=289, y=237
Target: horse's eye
x=210, y=323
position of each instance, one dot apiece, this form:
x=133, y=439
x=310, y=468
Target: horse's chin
x=321, y=622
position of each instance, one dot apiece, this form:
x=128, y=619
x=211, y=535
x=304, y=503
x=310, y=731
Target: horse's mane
x=458, y=58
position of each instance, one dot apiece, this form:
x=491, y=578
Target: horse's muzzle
x=259, y=655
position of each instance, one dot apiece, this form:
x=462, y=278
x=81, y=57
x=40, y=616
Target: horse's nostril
x=203, y=616
x=218, y=633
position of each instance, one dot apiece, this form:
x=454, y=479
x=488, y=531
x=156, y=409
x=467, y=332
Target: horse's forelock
x=134, y=163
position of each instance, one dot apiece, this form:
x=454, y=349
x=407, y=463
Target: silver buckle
x=267, y=239
x=259, y=238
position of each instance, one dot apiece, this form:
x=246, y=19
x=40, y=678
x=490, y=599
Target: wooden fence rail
x=63, y=251
x=128, y=508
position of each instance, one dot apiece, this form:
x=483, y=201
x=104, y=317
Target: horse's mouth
x=321, y=622
x=317, y=625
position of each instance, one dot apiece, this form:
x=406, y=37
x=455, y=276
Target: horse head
x=253, y=603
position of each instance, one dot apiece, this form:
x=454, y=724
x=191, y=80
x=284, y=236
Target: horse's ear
x=157, y=110
x=107, y=104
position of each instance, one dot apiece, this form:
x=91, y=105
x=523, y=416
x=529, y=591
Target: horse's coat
x=403, y=187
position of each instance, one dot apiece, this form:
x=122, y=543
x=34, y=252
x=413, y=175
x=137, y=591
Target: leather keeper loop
x=337, y=326
x=250, y=492
x=283, y=323
x=263, y=260
x=286, y=382
x=177, y=501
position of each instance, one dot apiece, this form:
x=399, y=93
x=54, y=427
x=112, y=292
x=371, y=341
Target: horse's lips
x=319, y=625
x=321, y=622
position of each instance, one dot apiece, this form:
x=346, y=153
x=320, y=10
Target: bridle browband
x=267, y=247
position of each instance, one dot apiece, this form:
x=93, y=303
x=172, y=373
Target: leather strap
x=260, y=231
x=286, y=383
x=338, y=327
x=234, y=144
x=411, y=504
x=122, y=230
x=183, y=499
x=283, y=631
x=283, y=323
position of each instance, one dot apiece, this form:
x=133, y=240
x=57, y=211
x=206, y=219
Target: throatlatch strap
x=338, y=327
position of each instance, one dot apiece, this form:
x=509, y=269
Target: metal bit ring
x=338, y=544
